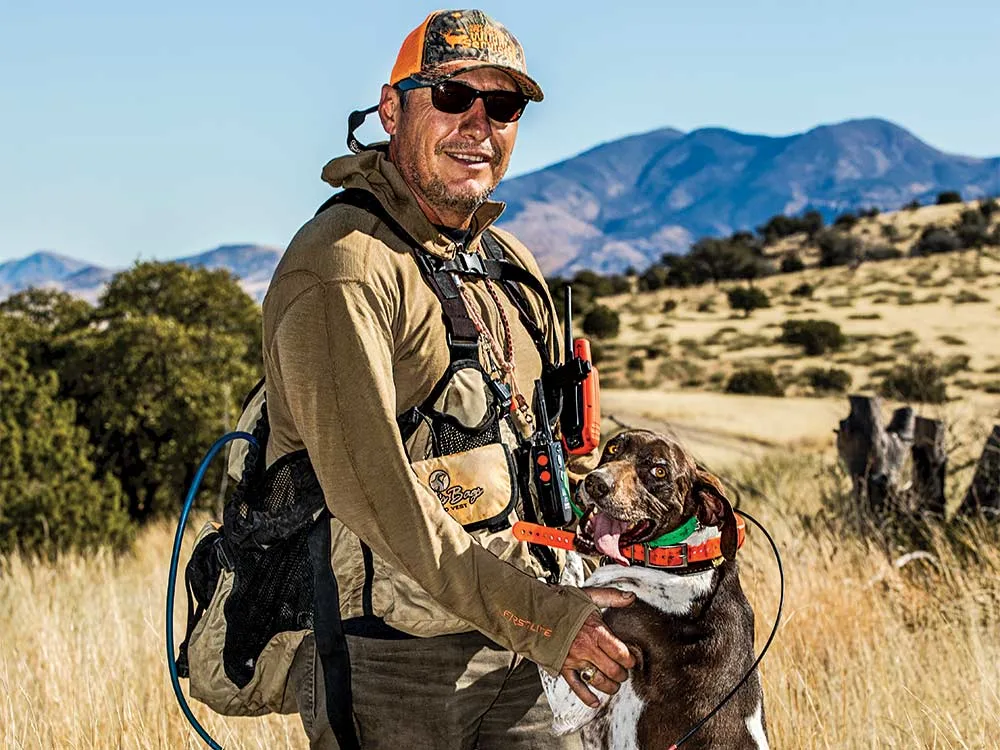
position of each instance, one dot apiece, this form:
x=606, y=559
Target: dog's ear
x=714, y=509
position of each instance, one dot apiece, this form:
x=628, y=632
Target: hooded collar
x=371, y=170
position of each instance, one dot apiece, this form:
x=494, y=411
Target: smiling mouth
x=470, y=160
x=601, y=533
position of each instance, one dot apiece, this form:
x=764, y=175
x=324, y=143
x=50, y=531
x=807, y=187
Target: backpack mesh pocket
x=267, y=526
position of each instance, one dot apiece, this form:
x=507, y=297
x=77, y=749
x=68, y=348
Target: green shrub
x=653, y=278
x=912, y=205
x=756, y=382
x=635, y=364
x=602, y=322
x=654, y=352
x=837, y=248
x=934, y=240
x=955, y=364
x=792, y=263
x=784, y=226
x=883, y=252
x=601, y=286
x=802, y=290
x=890, y=232
x=832, y=380
x=51, y=497
x=845, y=221
x=707, y=305
x=989, y=207
x=948, y=196
x=814, y=336
x=747, y=299
x=669, y=306
x=921, y=380
x=972, y=229
x=966, y=296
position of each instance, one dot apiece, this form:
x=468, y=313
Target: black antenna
x=568, y=321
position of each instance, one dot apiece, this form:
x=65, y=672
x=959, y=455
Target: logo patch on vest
x=453, y=498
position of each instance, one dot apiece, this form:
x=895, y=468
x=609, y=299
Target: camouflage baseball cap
x=450, y=42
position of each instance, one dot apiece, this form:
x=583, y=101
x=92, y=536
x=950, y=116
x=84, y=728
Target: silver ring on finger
x=588, y=673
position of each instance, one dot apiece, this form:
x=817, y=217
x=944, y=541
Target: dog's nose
x=597, y=485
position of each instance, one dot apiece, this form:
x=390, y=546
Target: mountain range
x=251, y=264
x=627, y=202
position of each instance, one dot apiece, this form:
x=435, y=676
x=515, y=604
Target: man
x=353, y=339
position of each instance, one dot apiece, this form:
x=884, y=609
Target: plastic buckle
x=471, y=264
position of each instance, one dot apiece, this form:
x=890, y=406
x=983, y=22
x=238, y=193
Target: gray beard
x=437, y=195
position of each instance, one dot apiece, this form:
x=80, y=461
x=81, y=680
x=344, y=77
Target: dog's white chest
x=618, y=716
x=672, y=595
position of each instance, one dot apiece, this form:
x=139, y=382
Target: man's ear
x=389, y=109
x=714, y=509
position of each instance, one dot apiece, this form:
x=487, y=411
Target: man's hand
x=597, y=652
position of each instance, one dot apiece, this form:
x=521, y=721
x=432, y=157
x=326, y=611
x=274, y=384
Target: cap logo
x=477, y=36
x=468, y=36
x=456, y=39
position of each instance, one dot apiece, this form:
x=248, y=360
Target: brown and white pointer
x=691, y=633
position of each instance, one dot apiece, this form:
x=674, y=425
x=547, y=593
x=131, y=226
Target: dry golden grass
x=868, y=655
x=83, y=660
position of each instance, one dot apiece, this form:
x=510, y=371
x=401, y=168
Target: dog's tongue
x=606, y=532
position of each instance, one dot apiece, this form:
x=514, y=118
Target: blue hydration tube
x=172, y=579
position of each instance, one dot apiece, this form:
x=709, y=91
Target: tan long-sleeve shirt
x=354, y=337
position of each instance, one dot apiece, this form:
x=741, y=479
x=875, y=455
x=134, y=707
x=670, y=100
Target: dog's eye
x=613, y=448
x=658, y=471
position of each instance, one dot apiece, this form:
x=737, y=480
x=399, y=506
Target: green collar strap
x=676, y=536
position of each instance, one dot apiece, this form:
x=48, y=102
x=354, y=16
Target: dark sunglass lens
x=452, y=97
x=504, y=106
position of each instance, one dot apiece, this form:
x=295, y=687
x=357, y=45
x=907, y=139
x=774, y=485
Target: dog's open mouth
x=600, y=533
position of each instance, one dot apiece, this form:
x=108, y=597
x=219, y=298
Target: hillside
x=891, y=312
x=626, y=203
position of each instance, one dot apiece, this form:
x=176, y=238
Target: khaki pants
x=451, y=692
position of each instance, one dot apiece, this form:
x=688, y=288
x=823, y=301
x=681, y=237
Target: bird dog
x=691, y=629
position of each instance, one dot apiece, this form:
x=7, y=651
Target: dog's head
x=645, y=486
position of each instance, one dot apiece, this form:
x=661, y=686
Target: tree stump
x=873, y=454
x=983, y=497
x=930, y=463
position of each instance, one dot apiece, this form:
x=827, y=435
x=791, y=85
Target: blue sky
x=157, y=130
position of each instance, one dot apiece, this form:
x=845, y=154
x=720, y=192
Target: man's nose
x=598, y=484
x=475, y=121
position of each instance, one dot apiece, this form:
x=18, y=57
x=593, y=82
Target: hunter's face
x=452, y=162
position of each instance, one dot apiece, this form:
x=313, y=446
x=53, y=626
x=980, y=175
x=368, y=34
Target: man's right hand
x=596, y=648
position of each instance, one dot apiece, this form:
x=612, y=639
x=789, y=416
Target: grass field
x=868, y=655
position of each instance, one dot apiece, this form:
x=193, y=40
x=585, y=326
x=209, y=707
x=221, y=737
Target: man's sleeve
x=333, y=348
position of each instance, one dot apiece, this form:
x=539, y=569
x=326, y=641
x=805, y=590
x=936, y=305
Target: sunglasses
x=455, y=97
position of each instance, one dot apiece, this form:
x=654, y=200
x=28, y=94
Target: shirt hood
x=371, y=170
